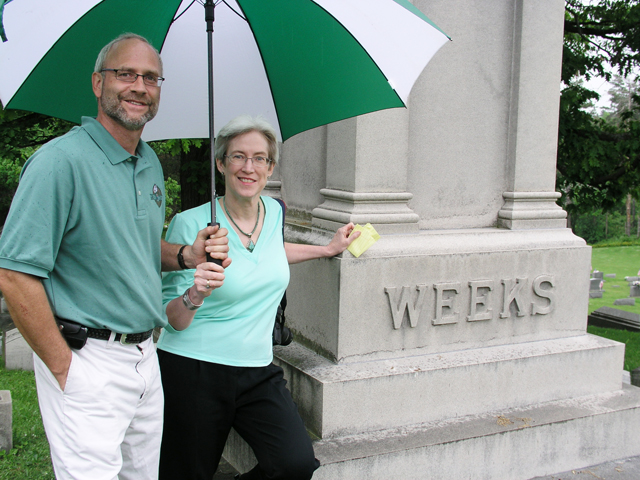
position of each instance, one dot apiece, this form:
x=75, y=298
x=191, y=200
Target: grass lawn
x=624, y=262
x=29, y=459
x=630, y=339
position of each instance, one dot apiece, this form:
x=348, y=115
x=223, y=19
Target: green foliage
x=598, y=159
x=622, y=241
x=172, y=200
x=176, y=146
x=194, y=170
x=21, y=134
x=600, y=32
x=596, y=227
x=625, y=99
x=29, y=459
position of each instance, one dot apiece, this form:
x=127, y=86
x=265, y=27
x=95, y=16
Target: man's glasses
x=239, y=159
x=131, y=77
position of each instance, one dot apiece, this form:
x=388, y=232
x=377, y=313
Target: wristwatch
x=187, y=301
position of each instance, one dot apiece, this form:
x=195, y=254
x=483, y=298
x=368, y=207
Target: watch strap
x=186, y=300
x=181, y=258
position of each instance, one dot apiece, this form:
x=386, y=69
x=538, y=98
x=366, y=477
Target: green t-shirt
x=235, y=324
x=87, y=218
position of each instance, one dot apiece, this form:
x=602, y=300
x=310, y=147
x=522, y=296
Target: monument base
x=506, y=412
x=514, y=444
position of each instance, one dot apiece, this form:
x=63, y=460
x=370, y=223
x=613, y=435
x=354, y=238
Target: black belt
x=128, y=338
x=76, y=334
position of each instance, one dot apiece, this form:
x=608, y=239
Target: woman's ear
x=220, y=165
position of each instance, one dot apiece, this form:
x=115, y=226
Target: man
x=82, y=242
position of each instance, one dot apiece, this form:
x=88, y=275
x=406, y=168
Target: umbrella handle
x=209, y=259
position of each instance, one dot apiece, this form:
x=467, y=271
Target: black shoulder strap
x=284, y=212
x=283, y=302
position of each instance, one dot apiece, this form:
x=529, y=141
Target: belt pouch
x=74, y=333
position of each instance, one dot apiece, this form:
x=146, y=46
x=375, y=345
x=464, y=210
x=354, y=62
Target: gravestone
x=6, y=421
x=625, y=301
x=608, y=317
x=610, y=275
x=632, y=279
x=597, y=274
x=634, y=290
x=456, y=346
x=18, y=355
x=595, y=288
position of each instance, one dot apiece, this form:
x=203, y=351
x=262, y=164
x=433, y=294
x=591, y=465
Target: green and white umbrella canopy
x=299, y=63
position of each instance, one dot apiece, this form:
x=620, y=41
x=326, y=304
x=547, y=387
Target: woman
x=218, y=373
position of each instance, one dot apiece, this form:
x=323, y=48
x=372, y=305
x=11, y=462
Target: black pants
x=204, y=400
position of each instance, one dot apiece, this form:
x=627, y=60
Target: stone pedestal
x=486, y=358
x=456, y=346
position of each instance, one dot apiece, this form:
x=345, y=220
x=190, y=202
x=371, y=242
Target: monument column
x=530, y=201
x=366, y=176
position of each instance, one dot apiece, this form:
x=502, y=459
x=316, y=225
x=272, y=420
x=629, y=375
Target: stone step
x=512, y=444
x=337, y=400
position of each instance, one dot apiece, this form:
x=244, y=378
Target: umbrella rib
x=183, y=12
x=234, y=10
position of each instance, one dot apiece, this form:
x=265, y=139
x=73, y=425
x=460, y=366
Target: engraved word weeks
x=480, y=300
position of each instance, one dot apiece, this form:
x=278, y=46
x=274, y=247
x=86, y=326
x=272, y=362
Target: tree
x=194, y=169
x=625, y=98
x=21, y=133
x=598, y=159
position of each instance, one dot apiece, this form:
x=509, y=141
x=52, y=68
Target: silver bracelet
x=186, y=300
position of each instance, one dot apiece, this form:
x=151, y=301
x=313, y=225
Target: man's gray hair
x=102, y=56
x=246, y=124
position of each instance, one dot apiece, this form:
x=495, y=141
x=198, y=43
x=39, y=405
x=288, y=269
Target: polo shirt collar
x=109, y=145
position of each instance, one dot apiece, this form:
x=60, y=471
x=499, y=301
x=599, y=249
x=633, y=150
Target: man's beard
x=112, y=107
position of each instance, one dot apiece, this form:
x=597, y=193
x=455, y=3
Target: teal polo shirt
x=87, y=218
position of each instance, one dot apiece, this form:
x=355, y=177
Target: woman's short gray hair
x=102, y=56
x=246, y=124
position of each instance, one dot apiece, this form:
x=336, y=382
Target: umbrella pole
x=209, y=17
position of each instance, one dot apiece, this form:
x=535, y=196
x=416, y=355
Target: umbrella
x=298, y=63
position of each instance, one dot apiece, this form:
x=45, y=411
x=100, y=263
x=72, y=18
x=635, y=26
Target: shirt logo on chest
x=156, y=195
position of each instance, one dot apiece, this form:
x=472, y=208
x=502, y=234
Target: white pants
x=107, y=424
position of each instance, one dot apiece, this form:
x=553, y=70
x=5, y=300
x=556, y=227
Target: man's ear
x=97, y=80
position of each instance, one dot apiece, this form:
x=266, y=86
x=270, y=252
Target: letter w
x=400, y=305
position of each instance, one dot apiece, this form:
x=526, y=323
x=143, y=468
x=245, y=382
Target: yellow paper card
x=368, y=236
